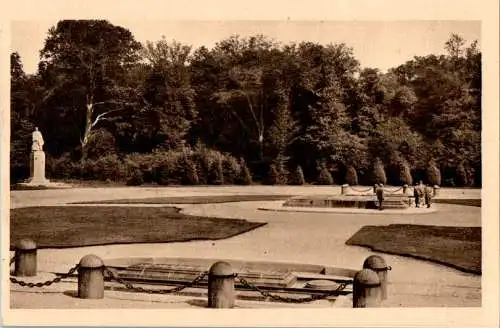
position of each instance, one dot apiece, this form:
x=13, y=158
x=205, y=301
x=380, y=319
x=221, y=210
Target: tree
x=320, y=103
x=455, y=45
x=230, y=80
x=394, y=139
x=82, y=67
x=447, y=113
x=169, y=105
x=281, y=136
x=21, y=125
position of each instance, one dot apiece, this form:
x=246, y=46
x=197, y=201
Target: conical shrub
x=433, y=174
x=351, y=177
x=379, y=172
x=324, y=177
x=297, y=177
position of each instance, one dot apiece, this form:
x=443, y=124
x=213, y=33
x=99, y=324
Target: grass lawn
x=458, y=247
x=193, y=199
x=75, y=226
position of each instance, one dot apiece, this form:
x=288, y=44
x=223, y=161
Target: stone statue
x=37, y=141
x=37, y=160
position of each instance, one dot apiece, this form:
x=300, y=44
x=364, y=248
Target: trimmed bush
x=203, y=158
x=135, y=178
x=210, y=165
x=405, y=174
x=62, y=167
x=101, y=143
x=297, y=177
x=147, y=163
x=245, y=177
x=433, y=174
x=461, y=179
x=351, y=177
x=216, y=173
x=162, y=175
x=272, y=175
x=379, y=172
x=276, y=175
x=324, y=177
x=190, y=173
x=231, y=169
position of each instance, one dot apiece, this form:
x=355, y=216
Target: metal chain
x=46, y=283
x=155, y=291
x=292, y=300
x=357, y=190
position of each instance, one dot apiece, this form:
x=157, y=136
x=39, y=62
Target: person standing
x=416, y=194
x=428, y=195
x=380, y=196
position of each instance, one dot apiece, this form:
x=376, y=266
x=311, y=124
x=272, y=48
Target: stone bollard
x=377, y=264
x=91, y=277
x=25, y=258
x=344, y=189
x=366, y=289
x=436, y=191
x=221, y=286
x=405, y=189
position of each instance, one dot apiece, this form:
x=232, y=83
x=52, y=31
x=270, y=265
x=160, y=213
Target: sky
x=376, y=44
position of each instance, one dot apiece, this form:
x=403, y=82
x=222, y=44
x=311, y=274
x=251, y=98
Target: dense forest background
x=249, y=109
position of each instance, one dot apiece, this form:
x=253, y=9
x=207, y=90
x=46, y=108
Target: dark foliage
x=247, y=98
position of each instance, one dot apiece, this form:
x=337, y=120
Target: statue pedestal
x=37, y=168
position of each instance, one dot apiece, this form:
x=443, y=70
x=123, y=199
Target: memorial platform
x=289, y=280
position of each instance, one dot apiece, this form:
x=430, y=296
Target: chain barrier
x=177, y=289
x=114, y=277
x=278, y=298
x=46, y=283
x=358, y=190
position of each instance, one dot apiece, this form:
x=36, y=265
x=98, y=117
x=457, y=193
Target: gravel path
x=314, y=238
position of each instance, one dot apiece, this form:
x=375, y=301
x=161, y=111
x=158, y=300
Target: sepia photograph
x=286, y=164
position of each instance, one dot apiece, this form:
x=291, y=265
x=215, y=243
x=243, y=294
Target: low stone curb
x=280, y=208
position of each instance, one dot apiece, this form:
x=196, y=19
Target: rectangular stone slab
x=181, y=273
x=184, y=270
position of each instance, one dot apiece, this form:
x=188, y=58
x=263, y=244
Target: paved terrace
x=312, y=238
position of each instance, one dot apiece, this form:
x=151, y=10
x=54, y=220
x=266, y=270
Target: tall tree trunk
x=88, y=128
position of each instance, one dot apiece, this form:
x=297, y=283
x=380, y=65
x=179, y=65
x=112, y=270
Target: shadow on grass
x=456, y=247
x=78, y=226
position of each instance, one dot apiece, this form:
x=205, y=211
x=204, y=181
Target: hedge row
x=190, y=167
x=208, y=167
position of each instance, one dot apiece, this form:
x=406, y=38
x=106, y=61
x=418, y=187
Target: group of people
x=421, y=192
